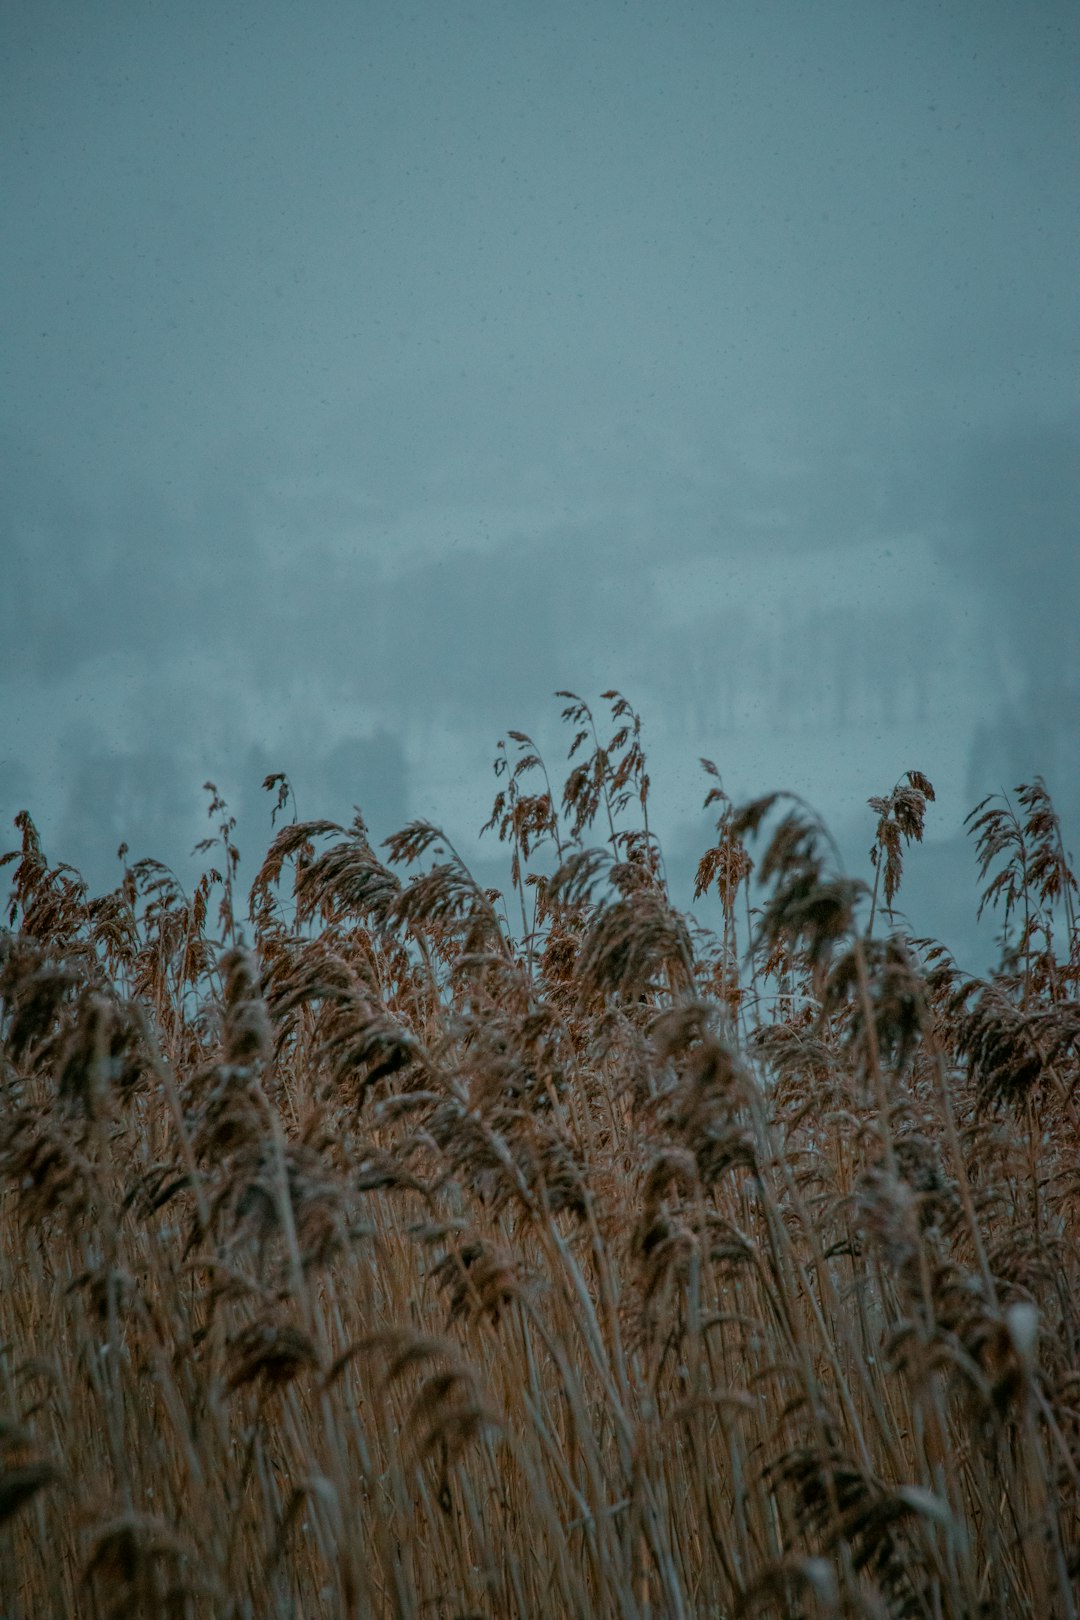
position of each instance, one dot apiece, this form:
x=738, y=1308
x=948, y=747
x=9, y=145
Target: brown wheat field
x=376, y=1244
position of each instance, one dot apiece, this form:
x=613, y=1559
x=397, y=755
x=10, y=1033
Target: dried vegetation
x=435, y=1253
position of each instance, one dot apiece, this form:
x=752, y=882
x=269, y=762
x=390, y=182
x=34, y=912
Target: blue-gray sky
x=372, y=370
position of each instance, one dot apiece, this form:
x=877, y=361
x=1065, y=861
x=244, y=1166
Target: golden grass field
x=380, y=1245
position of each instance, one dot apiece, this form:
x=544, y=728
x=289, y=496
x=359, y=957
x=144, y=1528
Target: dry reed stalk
x=400, y=1266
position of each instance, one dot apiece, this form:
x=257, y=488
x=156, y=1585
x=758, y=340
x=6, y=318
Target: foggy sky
x=371, y=373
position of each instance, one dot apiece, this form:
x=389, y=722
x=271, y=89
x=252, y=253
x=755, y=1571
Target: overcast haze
x=370, y=372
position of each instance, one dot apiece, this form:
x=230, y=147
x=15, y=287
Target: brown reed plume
x=373, y=1255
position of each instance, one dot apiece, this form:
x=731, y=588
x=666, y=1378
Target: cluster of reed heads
x=408, y=1249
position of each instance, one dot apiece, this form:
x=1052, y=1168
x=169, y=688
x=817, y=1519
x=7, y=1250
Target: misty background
x=370, y=372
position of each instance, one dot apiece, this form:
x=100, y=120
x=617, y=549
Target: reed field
x=378, y=1244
